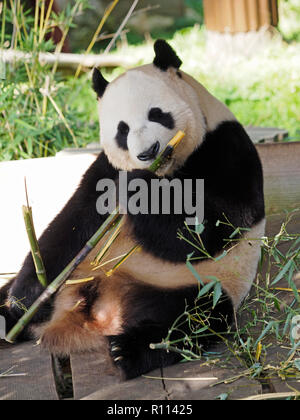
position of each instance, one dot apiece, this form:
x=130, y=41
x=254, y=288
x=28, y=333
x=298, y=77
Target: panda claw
x=115, y=348
x=118, y=359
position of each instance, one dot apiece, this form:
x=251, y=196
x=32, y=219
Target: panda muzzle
x=151, y=153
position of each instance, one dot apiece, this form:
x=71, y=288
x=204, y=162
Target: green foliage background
x=260, y=82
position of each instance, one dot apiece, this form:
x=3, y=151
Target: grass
x=37, y=118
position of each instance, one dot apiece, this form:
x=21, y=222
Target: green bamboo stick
x=34, y=246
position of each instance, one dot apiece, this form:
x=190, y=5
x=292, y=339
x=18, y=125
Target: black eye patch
x=122, y=134
x=160, y=117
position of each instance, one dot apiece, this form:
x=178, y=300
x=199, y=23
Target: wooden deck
x=27, y=372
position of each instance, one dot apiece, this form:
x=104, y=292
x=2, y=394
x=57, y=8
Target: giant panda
x=140, y=111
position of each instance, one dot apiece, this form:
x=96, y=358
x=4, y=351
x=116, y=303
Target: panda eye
x=123, y=128
x=122, y=133
x=164, y=118
x=155, y=114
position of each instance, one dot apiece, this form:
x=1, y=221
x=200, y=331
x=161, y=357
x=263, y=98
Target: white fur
x=130, y=97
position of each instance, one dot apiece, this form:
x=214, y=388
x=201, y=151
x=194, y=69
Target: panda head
x=143, y=109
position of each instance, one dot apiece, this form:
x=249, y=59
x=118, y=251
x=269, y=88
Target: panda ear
x=99, y=83
x=165, y=56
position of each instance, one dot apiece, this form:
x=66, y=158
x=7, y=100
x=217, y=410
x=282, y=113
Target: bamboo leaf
x=217, y=293
x=234, y=233
x=297, y=364
x=295, y=291
x=224, y=253
x=194, y=272
x=282, y=272
x=199, y=227
x=25, y=124
x=201, y=330
x=204, y=290
x=268, y=327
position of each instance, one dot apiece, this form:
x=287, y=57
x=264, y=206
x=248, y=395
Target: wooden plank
x=281, y=175
x=137, y=389
x=266, y=134
x=28, y=359
x=93, y=371
x=197, y=381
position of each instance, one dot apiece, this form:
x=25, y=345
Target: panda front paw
x=124, y=357
x=132, y=354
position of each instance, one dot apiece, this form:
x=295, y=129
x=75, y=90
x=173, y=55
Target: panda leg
x=150, y=315
x=72, y=333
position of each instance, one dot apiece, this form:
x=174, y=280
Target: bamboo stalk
x=123, y=259
x=112, y=219
x=108, y=244
x=49, y=10
x=36, y=22
x=42, y=16
x=3, y=24
x=68, y=60
x=117, y=34
x=34, y=246
x=167, y=152
x=62, y=117
x=79, y=281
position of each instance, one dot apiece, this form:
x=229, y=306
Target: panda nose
x=150, y=153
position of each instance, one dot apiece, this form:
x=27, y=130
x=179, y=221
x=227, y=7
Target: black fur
x=122, y=134
x=164, y=118
x=90, y=292
x=165, y=56
x=4, y=311
x=233, y=182
x=150, y=314
x=99, y=83
x=62, y=240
